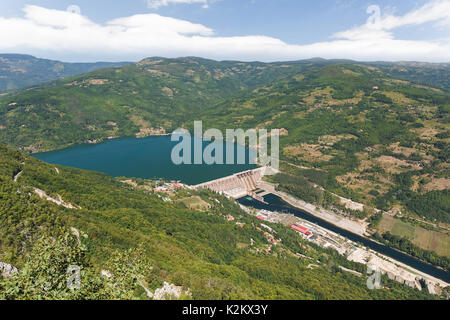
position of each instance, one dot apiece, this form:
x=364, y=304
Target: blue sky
x=265, y=30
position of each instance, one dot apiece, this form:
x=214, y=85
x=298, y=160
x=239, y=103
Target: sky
x=246, y=30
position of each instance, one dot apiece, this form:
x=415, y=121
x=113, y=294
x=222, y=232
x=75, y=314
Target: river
x=275, y=203
x=150, y=157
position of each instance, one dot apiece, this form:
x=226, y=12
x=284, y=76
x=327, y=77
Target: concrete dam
x=237, y=185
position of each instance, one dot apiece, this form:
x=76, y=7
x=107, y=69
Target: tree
x=60, y=269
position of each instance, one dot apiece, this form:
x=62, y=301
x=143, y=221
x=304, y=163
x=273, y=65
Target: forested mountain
x=359, y=133
x=429, y=74
x=96, y=222
x=351, y=129
x=20, y=71
x=153, y=95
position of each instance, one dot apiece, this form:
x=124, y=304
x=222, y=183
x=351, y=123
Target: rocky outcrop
x=59, y=201
x=7, y=270
x=169, y=292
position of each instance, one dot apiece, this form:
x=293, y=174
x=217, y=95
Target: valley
x=111, y=217
x=361, y=146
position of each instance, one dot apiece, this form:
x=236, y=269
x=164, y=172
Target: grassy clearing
x=386, y=224
x=432, y=240
x=195, y=203
x=403, y=229
x=438, y=242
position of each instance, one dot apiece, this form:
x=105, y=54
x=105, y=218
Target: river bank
x=354, y=248
x=358, y=227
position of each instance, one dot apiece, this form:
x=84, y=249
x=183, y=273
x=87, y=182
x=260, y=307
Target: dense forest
x=375, y=133
x=140, y=241
x=353, y=121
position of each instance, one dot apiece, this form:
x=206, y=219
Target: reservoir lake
x=146, y=158
x=150, y=158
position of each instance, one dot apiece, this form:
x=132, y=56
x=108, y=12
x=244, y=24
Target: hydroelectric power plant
x=239, y=184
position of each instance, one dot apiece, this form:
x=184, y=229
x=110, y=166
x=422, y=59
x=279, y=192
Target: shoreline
x=358, y=228
x=101, y=140
x=368, y=256
x=343, y=222
x=350, y=226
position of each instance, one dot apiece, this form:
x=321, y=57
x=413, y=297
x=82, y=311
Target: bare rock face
x=169, y=292
x=7, y=270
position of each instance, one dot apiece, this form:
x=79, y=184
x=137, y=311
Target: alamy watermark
x=214, y=152
x=374, y=279
x=74, y=279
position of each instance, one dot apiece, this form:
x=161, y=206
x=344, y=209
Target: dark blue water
x=275, y=203
x=145, y=158
x=151, y=158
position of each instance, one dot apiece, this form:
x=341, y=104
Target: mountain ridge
x=202, y=251
x=358, y=131
x=19, y=71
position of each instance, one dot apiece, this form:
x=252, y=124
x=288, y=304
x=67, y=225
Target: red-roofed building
x=300, y=229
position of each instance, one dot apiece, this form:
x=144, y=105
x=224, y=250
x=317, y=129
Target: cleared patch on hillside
x=438, y=242
x=97, y=81
x=432, y=240
x=398, y=98
x=157, y=72
x=396, y=148
x=242, y=119
x=330, y=140
x=195, y=203
x=437, y=184
x=363, y=179
x=394, y=165
x=168, y=91
x=354, y=101
x=318, y=95
x=145, y=127
x=430, y=129
x=324, y=96
x=135, y=185
x=308, y=152
x=360, y=183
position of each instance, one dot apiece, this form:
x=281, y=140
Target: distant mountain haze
x=20, y=71
x=375, y=133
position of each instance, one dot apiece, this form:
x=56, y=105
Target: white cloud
x=380, y=26
x=70, y=36
x=155, y=4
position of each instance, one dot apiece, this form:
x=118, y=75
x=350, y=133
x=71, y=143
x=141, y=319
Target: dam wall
x=237, y=185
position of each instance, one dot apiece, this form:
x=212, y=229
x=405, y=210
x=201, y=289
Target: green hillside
x=429, y=74
x=368, y=136
x=198, y=250
x=153, y=96
x=357, y=130
x=357, y=133
x=20, y=71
